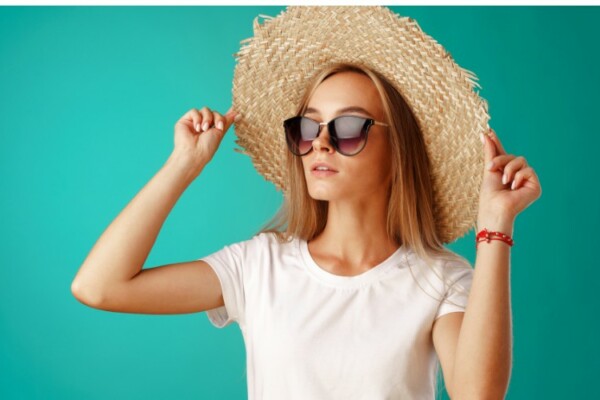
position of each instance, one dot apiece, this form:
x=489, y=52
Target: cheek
x=368, y=173
x=378, y=158
x=375, y=166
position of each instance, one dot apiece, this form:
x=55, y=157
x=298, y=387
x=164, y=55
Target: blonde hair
x=410, y=216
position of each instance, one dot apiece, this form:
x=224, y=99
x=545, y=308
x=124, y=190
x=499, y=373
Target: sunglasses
x=348, y=133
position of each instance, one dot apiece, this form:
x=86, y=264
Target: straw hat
x=274, y=66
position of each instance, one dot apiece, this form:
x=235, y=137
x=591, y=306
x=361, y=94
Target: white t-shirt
x=311, y=334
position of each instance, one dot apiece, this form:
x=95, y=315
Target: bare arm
x=477, y=347
x=112, y=278
x=483, y=360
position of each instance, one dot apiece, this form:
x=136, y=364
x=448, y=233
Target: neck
x=356, y=233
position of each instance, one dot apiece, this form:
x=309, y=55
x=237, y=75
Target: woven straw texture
x=274, y=66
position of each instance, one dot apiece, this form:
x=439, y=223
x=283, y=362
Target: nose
x=323, y=140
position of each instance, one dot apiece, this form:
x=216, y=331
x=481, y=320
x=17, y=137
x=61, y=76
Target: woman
x=351, y=293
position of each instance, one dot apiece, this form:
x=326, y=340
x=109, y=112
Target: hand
x=197, y=138
x=505, y=200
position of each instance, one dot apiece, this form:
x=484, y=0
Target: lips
x=322, y=167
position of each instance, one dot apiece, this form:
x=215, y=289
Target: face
x=360, y=176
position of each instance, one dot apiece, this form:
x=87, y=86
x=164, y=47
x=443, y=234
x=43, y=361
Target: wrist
x=496, y=223
x=184, y=165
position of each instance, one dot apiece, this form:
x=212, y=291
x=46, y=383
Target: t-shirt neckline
x=341, y=281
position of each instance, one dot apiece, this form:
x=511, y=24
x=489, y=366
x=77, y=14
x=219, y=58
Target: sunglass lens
x=299, y=133
x=351, y=134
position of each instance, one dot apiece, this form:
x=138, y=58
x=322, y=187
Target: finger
x=197, y=119
x=490, y=152
x=496, y=141
x=230, y=117
x=223, y=122
x=498, y=163
x=522, y=176
x=512, y=167
x=218, y=121
x=189, y=118
x=207, y=118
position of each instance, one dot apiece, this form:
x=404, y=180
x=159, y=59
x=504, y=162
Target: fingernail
x=504, y=179
x=490, y=165
x=514, y=183
x=220, y=125
x=482, y=138
x=205, y=126
x=197, y=127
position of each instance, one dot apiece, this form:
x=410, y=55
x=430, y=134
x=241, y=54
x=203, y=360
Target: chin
x=324, y=190
x=321, y=194
x=320, y=198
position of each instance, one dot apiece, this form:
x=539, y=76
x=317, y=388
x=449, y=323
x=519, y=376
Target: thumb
x=230, y=118
x=489, y=150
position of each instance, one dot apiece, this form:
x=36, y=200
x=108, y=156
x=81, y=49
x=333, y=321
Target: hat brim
x=274, y=66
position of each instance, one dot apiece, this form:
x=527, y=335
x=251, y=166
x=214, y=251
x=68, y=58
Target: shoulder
x=441, y=270
x=266, y=241
x=270, y=238
x=456, y=262
x=457, y=271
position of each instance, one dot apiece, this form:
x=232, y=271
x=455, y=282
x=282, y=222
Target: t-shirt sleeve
x=459, y=276
x=229, y=263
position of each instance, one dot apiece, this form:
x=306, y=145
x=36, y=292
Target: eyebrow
x=310, y=110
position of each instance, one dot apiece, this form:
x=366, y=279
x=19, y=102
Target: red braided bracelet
x=485, y=236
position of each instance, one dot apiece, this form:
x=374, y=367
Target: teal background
x=89, y=97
